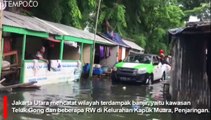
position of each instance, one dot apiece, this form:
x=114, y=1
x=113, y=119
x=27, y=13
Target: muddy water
x=100, y=90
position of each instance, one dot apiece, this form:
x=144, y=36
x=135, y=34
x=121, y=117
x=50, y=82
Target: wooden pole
x=1, y=49
x=93, y=46
x=81, y=53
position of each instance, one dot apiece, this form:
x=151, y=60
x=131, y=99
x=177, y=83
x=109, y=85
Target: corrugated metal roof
x=192, y=27
x=133, y=45
x=30, y=23
x=36, y=24
x=71, y=31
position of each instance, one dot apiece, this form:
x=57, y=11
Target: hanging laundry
x=102, y=52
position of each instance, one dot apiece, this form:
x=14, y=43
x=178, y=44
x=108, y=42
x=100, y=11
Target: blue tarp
x=116, y=38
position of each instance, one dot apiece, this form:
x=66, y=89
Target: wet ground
x=98, y=89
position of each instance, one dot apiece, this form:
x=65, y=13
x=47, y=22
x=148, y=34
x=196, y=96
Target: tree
x=60, y=11
x=145, y=21
x=71, y=13
x=149, y=21
x=48, y=10
x=199, y=8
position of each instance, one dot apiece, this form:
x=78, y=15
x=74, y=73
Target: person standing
x=40, y=54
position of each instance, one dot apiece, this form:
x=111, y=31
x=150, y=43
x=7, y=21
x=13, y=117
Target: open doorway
x=34, y=44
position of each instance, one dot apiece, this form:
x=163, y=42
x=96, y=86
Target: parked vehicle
x=143, y=68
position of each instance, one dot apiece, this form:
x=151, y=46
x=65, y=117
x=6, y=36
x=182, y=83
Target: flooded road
x=99, y=89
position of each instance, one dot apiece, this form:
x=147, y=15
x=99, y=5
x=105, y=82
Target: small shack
x=87, y=53
x=122, y=48
x=67, y=47
x=191, y=67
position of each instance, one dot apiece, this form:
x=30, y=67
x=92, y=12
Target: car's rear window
x=138, y=59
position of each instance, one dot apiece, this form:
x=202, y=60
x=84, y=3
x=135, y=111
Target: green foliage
x=200, y=8
x=140, y=40
x=48, y=10
x=92, y=3
x=203, y=11
x=152, y=19
x=87, y=7
x=120, y=14
x=71, y=13
x=191, y=4
x=115, y=13
x=145, y=21
x=61, y=11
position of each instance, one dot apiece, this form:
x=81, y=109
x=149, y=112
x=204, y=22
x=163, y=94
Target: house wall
x=209, y=61
x=123, y=53
x=189, y=80
x=119, y=53
x=127, y=52
x=71, y=53
x=110, y=61
x=86, y=53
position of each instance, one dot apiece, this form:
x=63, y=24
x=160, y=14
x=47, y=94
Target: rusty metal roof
x=192, y=28
x=36, y=24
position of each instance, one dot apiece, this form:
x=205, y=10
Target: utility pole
x=1, y=20
x=93, y=56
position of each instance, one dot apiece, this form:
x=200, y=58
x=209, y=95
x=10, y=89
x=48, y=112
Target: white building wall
x=123, y=53
x=111, y=60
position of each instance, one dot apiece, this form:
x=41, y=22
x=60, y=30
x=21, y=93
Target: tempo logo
x=19, y=3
